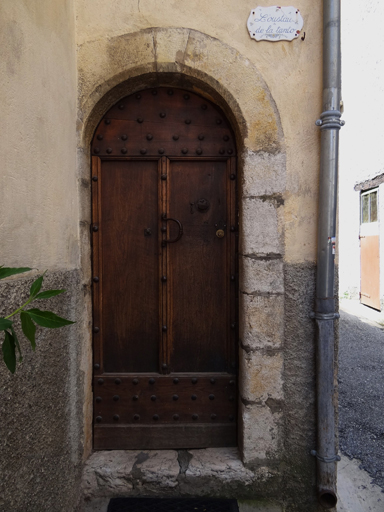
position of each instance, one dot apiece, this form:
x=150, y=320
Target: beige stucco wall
x=272, y=93
x=291, y=70
x=39, y=192
x=38, y=184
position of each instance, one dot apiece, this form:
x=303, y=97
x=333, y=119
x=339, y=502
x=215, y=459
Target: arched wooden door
x=164, y=232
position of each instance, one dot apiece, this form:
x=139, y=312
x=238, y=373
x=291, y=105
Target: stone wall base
x=213, y=472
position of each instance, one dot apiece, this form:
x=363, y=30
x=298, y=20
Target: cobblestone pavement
x=361, y=392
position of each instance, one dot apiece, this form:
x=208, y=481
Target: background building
x=361, y=158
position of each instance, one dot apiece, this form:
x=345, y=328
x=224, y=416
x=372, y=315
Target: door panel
x=164, y=274
x=370, y=271
x=129, y=270
x=198, y=267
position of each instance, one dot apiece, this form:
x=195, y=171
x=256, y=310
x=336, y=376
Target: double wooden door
x=164, y=275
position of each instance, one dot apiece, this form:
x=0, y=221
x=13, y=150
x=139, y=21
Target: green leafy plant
x=28, y=317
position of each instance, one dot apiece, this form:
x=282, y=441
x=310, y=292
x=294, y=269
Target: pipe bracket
x=324, y=316
x=334, y=458
x=330, y=120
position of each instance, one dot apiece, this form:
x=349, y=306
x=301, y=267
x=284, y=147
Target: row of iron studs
x=156, y=417
x=161, y=151
x=152, y=381
x=135, y=398
x=149, y=136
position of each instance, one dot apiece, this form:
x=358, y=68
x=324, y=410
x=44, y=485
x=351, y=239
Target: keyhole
x=192, y=205
x=203, y=205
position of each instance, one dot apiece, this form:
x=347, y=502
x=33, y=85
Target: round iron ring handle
x=180, y=233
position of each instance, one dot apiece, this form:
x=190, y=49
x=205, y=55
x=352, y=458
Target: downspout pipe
x=325, y=314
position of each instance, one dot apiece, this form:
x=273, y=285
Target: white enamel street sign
x=275, y=23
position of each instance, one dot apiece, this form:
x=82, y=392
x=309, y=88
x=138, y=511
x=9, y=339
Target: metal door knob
x=180, y=233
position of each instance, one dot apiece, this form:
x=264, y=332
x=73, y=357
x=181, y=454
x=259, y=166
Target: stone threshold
x=213, y=472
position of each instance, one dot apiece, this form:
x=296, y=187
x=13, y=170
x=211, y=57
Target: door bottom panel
x=196, y=410
x=165, y=437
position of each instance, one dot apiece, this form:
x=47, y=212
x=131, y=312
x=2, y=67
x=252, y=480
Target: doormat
x=172, y=505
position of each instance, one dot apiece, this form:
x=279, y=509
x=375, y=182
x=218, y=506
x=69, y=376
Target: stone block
x=219, y=463
x=158, y=469
x=118, y=472
x=261, y=376
x=259, y=227
x=265, y=276
x=166, y=473
x=208, y=56
x=261, y=321
x=108, y=473
x=260, y=433
x=103, y=60
x=170, y=45
x=263, y=173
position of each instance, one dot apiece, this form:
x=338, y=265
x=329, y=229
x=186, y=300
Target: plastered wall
x=271, y=92
x=64, y=63
x=41, y=404
x=38, y=183
x=292, y=72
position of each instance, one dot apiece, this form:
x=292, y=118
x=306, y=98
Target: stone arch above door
x=110, y=69
x=108, y=65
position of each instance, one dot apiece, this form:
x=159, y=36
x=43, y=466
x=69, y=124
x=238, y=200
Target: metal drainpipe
x=324, y=315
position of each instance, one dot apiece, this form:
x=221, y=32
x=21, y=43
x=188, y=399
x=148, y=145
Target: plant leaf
x=29, y=328
x=9, y=353
x=17, y=344
x=48, y=294
x=5, y=324
x=36, y=285
x=11, y=271
x=47, y=318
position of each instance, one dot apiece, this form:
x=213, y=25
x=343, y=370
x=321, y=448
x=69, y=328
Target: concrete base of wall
x=41, y=406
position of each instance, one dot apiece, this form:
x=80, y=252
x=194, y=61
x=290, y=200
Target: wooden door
x=164, y=274
x=370, y=271
x=369, y=249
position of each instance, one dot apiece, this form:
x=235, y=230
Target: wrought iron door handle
x=180, y=233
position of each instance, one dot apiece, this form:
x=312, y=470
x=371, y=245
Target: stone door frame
x=195, y=61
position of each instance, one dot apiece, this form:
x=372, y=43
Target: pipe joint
x=330, y=120
x=324, y=316
x=327, y=460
